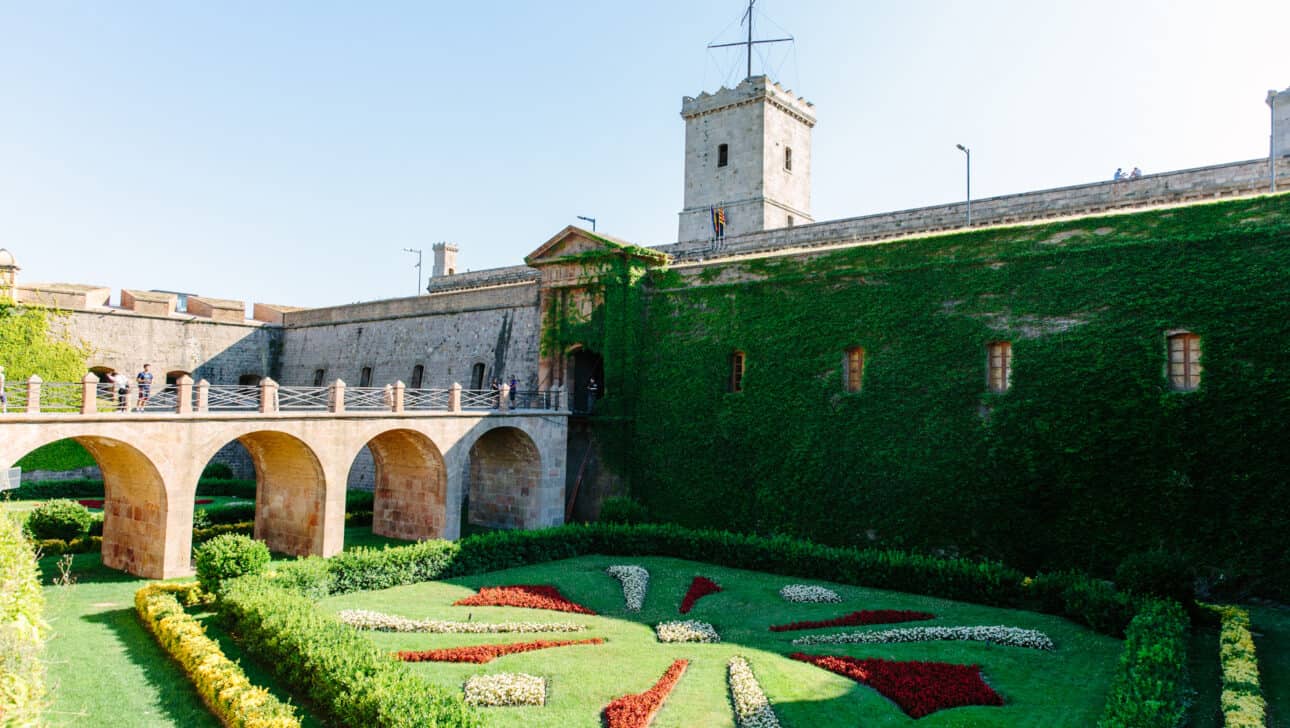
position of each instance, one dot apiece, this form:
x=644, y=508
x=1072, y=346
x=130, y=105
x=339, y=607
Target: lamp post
x=968, y=152
x=418, y=252
x=591, y=220
x=1272, y=141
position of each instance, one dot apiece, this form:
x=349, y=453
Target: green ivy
x=30, y=343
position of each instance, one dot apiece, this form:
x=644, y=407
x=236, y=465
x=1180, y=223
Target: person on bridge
x=145, y=386
x=4, y=399
x=122, y=386
x=515, y=385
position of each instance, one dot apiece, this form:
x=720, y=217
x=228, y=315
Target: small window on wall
x=417, y=372
x=365, y=378
x=737, y=372
x=477, y=376
x=723, y=155
x=790, y=221
x=318, y=377
x=854, y=369
x=1000, y=366
x=788, y=158
x=1184, y=362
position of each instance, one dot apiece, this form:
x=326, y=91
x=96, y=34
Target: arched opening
x=505, y=472
x=584, y=379
x=172, y=377
x=477, y=376
x=249, y=380
x=411, y=486
x=290, y=491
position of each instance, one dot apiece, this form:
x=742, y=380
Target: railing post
x=184, y=394
x=336, y=397
x=131, y=397
x=89, y=394
x=399, y=388
x=33, y=395
x=454, y=397
x=203, y=396
x=503, y=398
x=268, y=396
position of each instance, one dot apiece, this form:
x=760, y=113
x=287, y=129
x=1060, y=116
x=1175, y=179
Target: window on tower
x=723, y=155
x=788, y=158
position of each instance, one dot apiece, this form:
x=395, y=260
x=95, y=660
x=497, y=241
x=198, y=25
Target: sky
x=288, y=152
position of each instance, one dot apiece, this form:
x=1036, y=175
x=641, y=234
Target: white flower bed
x=635, y=580
x=363, y=619
x=686, y=631
x=752, y=707
x=808, y=593
x=999, y=635
x=507, y=688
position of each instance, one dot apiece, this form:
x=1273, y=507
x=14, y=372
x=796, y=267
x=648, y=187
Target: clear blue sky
x=287, y=151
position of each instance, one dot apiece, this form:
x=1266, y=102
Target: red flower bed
x=533, y=596
x=487, y=653
x=867, y=616
x=919, y=688
x=98, y=502
x=701, y=587
x=637, y=710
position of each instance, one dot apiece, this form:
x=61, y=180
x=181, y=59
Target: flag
x=719, y=222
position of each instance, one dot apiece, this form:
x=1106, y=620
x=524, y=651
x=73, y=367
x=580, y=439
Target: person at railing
x=122, y=386
x=4, y=399
x=592, y=390
x=495, y=385
x=515, y=385
x=145, y=386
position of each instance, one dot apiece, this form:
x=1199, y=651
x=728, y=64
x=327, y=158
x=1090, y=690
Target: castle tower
x=8, y=273
x=1280, y=103
x=748, y=151
x=445, y=260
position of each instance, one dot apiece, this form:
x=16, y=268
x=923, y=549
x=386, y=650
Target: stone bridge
x=509, y=458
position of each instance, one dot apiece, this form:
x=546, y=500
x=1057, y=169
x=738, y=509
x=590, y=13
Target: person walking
x=592, y=390
x=145, y=386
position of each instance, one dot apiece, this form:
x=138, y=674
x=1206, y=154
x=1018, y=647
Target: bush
x=22, y=630
x=1159, y=574
x=46, y=489
x=621, y=509
x=360, y=500
x=218, y=471
x=231, y=488
x=1150, y=687
x=227, y=557
x=60, y=519
x=228, y=513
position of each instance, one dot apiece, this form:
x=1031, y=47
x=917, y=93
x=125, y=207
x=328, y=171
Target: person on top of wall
x=1119, y=174
x=145, y=386
x=1136, y=173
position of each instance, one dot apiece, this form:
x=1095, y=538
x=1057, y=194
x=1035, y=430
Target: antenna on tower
x=748, y=16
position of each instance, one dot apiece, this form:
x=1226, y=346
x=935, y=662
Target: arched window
x=737, y=372
x=1184, y=361
x=853, y=369
x=723, y=155
x=788, y=159
x=477, y=376
x=999, y=365
x=318, y=377
x=249, y=380
x=365, y=377
x=418, y=372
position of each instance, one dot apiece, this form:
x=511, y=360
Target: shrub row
x=1242, y=701
x=342, y=672
x=22, y=630
x=226, y=690
x=1150, y=686
x=93, y=488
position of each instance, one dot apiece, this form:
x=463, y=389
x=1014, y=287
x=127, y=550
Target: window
x=417, y=372
x=365, y=378
x=737, y=372
x=723, y=155
x=318, y=377
x=854, y=368
x=1000, y=366
x=477, y=376
x=790, y=221
x=249, y=380
x=1184, y=362
x=788, y=159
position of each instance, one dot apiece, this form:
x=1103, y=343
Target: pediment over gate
x=573, y=245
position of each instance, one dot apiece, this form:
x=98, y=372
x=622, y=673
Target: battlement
x=749, y=91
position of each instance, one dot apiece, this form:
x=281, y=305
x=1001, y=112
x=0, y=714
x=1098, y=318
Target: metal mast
x=748, y=16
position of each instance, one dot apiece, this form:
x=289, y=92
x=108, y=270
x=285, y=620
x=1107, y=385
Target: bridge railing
x=369, y=398
x=427, y=399
x=304, y=399
x=231, y=398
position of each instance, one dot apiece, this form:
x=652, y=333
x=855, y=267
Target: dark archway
x=411, y=494
x=505, y=472
x=582, y=366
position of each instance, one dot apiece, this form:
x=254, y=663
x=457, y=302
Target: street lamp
x=418, y=252
x=968, y=152
x=1272, y=140
x=591, y=220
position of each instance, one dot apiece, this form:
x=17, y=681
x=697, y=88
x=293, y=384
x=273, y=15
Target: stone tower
x=1280, y=103
x=445, y=260
x=748, y=150
x=8, y=273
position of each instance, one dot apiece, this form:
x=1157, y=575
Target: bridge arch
x=411, y=493
x=505, y=477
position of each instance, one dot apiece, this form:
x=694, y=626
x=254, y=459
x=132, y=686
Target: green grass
x=1271, y=626
x=1206, y=675
x=1063, y=688
x=60, y=455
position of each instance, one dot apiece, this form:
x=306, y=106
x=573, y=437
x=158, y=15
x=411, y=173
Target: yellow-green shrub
x=1242, y=701
x=22, y=630
x=220, y=681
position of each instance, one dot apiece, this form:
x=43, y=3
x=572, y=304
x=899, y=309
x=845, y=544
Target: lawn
x=1063, y=688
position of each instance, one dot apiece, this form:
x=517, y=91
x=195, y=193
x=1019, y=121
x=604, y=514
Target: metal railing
x=232, y=398
x=61, y=396
x=15, y=398
x=368, y=398
x=427, y=399
x=536, y=400
x=476, y=399
x=304, y=399
x=165, y=399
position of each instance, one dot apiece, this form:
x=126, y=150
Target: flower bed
x=809, y=594
x=700, y=587
x=752, y=707
x=635, y=581
x=998, y=635
x=1242, y=700
x=686, y=631
x=856, y=619
x=919, y=688
x=487, y=653
x=379, y=622
x=637, y=710
x=531, y=596
x=504, y=689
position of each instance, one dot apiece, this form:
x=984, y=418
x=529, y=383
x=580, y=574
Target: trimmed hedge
x=60, y=519
x=22, y=630
x=224, y=688
x=1150, y=688
x=228, y=557
x=1242, y=701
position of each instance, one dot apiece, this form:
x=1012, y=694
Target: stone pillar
x=203, y=395
x=33, y=395
x=89, y=394
x=504, y=398
x=268, y=396
x=387, y=397
x=336, y=397
x=397, y=404
x=184, y=394
x=454, y=397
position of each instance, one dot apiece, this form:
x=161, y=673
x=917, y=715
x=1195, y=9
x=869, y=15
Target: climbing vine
x=31, y=343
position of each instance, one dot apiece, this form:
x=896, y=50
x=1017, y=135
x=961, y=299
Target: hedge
x=22, y=630
x=93, y=488
x=226, y=690
x=1150, y=686
x=1242, y=700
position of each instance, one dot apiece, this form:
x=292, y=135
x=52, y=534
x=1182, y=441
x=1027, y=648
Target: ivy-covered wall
x=1087, y=458
x=29, y=345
